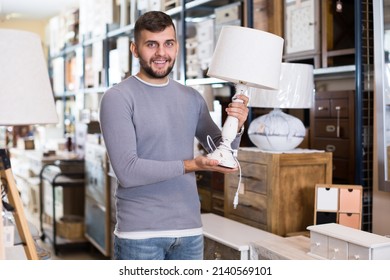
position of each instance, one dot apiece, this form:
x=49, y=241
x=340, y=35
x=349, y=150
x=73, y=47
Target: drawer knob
x=217, y=256
x=330, y=128
x=335, y=251
x=320, y=108
x=330, y=148
x=317, y=244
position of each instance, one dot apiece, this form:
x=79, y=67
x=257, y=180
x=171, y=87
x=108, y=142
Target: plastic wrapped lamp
x=278, y=131
x=246, y=57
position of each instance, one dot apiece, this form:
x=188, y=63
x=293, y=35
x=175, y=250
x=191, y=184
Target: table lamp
x=26, y=98
x=278, y=131
x=246, y=57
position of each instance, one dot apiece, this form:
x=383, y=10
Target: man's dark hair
x=153, y=21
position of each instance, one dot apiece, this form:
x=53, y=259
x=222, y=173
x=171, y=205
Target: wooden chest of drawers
x=277, y=189
x=332, y=130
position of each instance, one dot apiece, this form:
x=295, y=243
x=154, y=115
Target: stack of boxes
x=227, y=15
x=205, y=39
x=98, y=15
x=192, y=61
x=119, y=60
x=139, y=7
x=200, y=46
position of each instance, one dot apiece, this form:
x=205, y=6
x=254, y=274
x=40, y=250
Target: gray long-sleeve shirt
x=148, y=131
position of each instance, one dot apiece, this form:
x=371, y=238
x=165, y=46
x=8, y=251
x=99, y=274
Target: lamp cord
x=209, y=142
x=212, y=147
x=235, y=200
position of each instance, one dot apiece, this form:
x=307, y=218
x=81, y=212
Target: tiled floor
x=45, y=251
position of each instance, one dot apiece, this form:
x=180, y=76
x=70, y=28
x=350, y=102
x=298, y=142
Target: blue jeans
x=164, y=248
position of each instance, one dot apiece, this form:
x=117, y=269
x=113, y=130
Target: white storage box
x=337, y=242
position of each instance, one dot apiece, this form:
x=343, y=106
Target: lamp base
x=225, y=157
x=276, y=131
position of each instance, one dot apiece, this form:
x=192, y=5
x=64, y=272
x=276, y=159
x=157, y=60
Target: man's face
x=156, y=53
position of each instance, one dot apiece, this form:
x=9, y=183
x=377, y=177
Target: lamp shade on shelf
x=26, y=95
x=296, y=89
x=249, y=56
x=278, y=131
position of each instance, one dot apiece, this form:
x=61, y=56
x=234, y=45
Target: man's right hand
x=202, y=163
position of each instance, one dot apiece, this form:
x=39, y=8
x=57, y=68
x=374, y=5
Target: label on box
x=9, y=236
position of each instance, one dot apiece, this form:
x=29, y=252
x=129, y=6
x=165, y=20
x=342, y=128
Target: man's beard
x=154, y=74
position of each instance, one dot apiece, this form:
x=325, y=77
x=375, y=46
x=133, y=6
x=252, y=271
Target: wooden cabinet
x=277, y=192
x=333, y=129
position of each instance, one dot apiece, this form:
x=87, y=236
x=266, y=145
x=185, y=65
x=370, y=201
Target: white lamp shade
x=25, y=92
x=249, y=56
x=296, y=89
